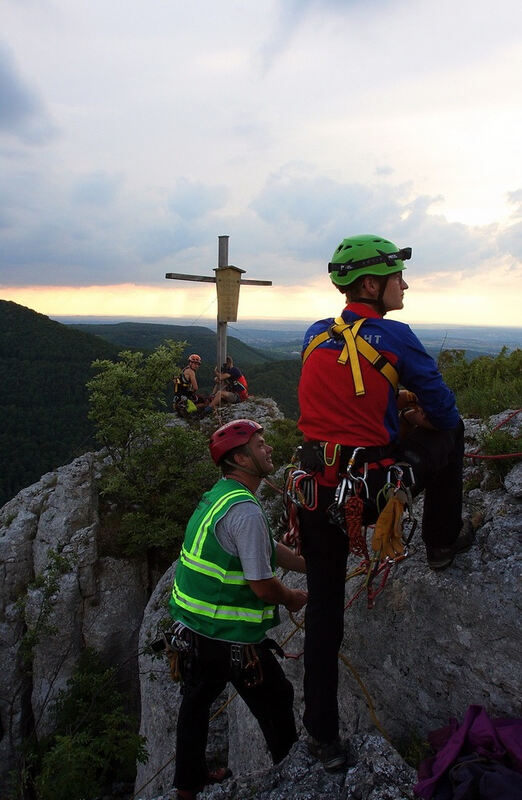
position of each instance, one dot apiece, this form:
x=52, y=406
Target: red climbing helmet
x=231, y=435
x=194, y=358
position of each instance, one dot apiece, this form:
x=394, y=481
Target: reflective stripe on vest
x=211, y=594
x=201, y=535
x=229, y=613
x=212, y=569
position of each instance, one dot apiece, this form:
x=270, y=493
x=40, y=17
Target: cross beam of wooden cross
x=228, y=281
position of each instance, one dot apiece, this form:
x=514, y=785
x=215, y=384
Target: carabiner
x=327, y=461
x=340, y=491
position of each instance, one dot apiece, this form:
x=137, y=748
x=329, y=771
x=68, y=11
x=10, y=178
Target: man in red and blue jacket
x=349, y=397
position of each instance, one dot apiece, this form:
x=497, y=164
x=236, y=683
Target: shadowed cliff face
x=434, y=643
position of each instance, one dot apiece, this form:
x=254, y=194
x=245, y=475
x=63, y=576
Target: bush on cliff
x=93, y=743
x=485, y=386
x=156, y=474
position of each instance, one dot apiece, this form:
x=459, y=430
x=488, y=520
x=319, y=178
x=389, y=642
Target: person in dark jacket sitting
x=231, y=385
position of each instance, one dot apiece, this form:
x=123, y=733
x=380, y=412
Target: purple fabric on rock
x=498, y=740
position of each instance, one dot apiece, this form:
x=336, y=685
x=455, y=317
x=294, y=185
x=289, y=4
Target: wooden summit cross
x=228, y=280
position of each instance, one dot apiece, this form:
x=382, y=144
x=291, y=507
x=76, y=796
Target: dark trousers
x=436, y=458
x=271, y=703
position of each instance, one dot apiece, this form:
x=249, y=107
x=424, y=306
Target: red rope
x=273, y=486
x=353, y=511
x=476, y=453
x=503, y=422
x=503, y=455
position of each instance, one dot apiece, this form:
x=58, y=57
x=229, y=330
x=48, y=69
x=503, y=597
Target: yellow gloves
x=387, y=537
x=406, y=399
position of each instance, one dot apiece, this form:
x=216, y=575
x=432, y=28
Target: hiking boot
x=219, y=775
x=216, y=776
x=332, y=754
x=441, y=557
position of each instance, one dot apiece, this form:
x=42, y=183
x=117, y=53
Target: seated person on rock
x=231, y=385
x=186, y=390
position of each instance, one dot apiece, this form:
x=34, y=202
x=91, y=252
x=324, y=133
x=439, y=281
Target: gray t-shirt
x=243, y=532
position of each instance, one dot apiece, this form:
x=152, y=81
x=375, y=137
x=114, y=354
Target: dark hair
x=229, y=456
x=353, y=290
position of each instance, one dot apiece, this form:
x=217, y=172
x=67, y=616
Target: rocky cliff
x=433, y=644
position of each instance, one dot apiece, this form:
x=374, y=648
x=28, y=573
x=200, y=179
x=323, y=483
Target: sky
x=133, y=133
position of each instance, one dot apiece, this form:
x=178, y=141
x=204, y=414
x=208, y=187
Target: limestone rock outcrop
x=59, y=595
x=433, y=644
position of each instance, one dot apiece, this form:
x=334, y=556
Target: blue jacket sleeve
x=418, y=372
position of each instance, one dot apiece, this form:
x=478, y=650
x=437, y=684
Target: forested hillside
x=44, y=366
x=146, y=336
x=266, y=377
x=43, y=369
x=277, y=380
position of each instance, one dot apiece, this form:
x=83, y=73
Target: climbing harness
x=182, y=384
x=245, y=662
x=178, y=644
x=355, y=344
x=183, y=404
x=389, y=541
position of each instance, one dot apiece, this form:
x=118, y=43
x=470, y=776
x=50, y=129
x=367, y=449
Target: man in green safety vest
x=224, y=600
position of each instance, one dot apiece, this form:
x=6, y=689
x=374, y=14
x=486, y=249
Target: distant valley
x=280, y=339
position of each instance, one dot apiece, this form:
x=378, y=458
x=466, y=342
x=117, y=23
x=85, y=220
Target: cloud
x=512, y=233
x=294, y=13
x=319, y=211
x=97, y=189
x=108, y=233
x=157, y=243
x=375, y=116
x=316, y=213
x=290, y=228
x=22, y=113
x=192, y=199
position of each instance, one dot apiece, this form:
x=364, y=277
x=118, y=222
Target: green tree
x=156, y=472
x=94, y=740
x=126, y=396
x=487, y=384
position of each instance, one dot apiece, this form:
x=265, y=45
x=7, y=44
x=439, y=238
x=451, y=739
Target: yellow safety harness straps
x=355, y=344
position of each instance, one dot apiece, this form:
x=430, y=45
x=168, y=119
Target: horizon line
x=114, y=319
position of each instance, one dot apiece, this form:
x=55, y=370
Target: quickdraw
x=394, y=503
x=388, y=544
x=300, y=491
x=245, y=661
x=252, y=669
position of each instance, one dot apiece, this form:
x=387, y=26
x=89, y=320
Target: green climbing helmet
x=365, y=255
